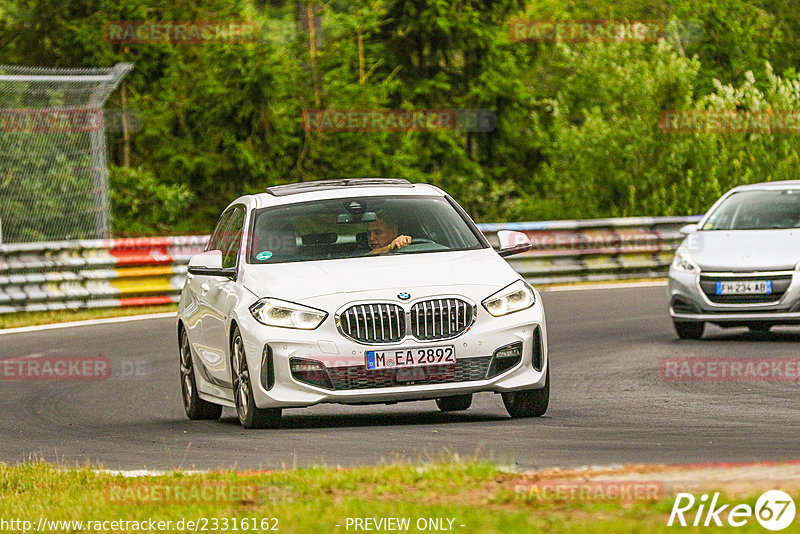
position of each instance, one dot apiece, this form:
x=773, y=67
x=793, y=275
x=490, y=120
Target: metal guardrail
x=94, y=273
x=595, y=249
x=152, y=270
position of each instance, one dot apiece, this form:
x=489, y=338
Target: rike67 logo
x=774, y=510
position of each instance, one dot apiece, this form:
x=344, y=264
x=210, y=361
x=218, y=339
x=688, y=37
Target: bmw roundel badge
x=403, y=296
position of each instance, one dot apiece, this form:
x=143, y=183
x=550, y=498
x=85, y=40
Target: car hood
x=745, y=250
x=397, y=272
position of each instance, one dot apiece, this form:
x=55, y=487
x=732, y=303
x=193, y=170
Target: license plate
x=410, y=357
x=756, y=287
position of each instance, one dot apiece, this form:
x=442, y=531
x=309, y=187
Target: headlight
x=518, y=296
x=797, y=267
x=276, y=312
x=683, y=262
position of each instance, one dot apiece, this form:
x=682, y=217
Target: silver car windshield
x=757, y=210
x=358, y=227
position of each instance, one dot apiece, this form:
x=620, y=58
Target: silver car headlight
x=683, y=262
x=513, y=298
x=276, y=312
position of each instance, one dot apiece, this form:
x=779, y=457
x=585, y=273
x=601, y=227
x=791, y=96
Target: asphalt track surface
x=609, y=403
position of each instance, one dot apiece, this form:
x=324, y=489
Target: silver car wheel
x=241, y=378
x=186, y=369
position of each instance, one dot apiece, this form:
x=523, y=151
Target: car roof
x=322, y=185
x=785, y=184
x=345, y=188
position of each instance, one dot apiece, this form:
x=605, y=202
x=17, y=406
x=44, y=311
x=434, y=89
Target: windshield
x=357, y=227
x=757, y=210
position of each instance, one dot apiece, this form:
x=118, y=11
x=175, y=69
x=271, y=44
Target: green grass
x=315, y=500
x=14, y=320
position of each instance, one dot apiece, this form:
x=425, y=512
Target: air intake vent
x=680, y=305
x=357, y=377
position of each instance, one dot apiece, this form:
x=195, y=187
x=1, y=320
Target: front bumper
x=688, y=302
x=326, y=345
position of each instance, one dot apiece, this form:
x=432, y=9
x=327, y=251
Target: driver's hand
x=400, y=242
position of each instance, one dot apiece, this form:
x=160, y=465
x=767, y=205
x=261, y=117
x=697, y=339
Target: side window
x=217, y=235
x=232, y=240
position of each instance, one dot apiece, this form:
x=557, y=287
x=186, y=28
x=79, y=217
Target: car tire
x=528, y=402
x=759, y=328
x=689, y=330
x=196, y=408
x=456, y=403
x=249, y=415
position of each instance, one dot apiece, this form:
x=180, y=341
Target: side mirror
x=688, y=229
x=512, y=242
x=209, y=264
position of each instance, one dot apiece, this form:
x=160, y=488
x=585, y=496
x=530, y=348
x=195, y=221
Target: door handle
x=205, y=288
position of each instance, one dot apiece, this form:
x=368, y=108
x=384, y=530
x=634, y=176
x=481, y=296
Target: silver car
x=739, y=265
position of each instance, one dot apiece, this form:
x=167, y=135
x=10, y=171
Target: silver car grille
x=780, y=284
x=374, y=323
x=428, y=320
x=440, y=318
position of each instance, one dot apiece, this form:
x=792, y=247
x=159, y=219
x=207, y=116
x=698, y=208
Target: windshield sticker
x=264, y=255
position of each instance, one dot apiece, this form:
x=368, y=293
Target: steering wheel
x=414, y=241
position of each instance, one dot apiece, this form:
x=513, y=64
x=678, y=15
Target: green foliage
x=607, y=155
x=141, y=203
x=577, y=125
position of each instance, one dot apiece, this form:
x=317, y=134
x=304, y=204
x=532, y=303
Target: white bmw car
x=357, y=291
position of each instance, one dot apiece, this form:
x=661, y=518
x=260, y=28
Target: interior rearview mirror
x=355, y=218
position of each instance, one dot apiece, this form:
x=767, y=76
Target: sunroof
x=321, y=185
